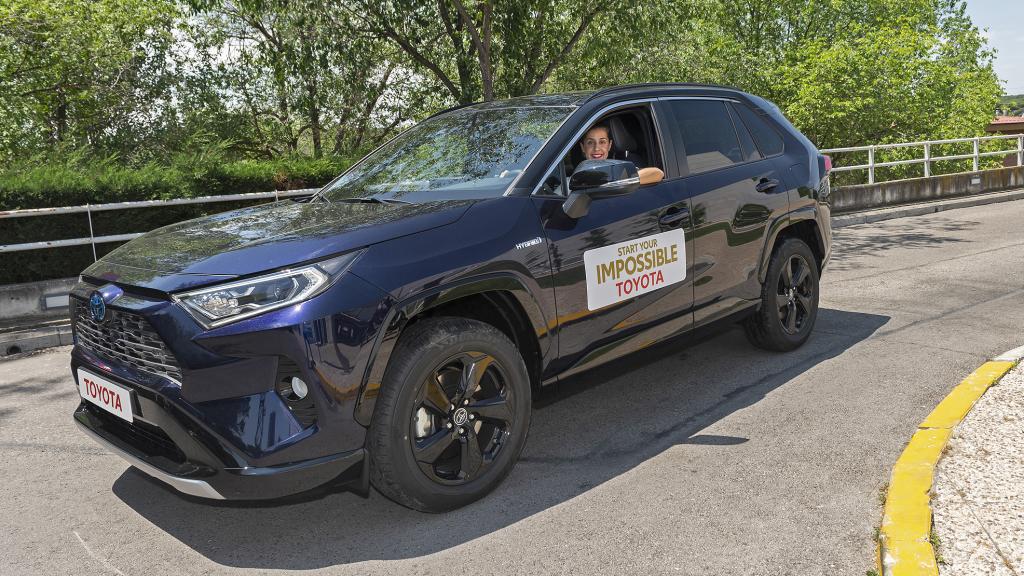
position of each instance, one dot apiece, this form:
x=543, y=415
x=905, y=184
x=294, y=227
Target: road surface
x=710, y=458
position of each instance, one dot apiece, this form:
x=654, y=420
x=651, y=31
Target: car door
x=603, y=313
x=736, y=193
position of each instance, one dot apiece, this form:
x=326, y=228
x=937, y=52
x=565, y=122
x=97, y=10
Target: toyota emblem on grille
x=97, y=307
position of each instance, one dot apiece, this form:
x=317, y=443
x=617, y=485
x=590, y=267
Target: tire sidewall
x=772, y=323
x=412, y=371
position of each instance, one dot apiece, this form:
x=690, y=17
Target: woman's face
x=596, y=143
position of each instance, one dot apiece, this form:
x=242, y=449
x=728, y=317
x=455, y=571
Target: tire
x=421, y=453
x=789, y=299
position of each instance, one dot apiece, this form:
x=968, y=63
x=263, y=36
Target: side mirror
x=599, y=179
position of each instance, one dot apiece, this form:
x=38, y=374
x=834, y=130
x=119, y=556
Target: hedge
x=72, y=184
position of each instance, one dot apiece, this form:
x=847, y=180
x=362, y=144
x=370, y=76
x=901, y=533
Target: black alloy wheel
x=794, y=294
x=452, y=414
x=462, y=418
x=789, y=299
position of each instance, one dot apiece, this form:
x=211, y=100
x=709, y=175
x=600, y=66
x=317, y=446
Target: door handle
x=674, y=216
x=767, y=185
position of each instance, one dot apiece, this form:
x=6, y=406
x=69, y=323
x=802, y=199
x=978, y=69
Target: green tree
x=304, y=80
x=83, y=72
x=924, y=74
x=490, y=48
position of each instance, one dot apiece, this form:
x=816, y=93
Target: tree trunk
x=60, y=116
x=315, y=127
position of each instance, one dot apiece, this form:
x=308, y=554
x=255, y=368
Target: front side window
x=467, y=153
x=708, y=134
x=625, y=134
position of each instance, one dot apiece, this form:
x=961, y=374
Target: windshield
x=467, y=153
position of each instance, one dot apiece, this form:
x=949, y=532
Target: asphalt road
x=711, y=458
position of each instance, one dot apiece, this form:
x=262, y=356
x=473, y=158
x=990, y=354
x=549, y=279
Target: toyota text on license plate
x=113, y=398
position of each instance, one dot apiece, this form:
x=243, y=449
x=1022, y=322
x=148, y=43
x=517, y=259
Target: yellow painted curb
x=905, y=548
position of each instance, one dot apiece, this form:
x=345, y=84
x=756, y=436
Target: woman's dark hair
x=601, y=124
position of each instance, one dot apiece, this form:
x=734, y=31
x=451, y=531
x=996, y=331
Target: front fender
x=400, y=314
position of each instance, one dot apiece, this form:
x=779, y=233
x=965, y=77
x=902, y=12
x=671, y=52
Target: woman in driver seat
x=597, y=143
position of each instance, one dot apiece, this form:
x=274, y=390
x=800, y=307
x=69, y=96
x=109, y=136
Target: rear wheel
x=452, y=415
x=789, y=299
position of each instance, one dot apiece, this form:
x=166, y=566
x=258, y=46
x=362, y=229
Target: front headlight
x=226, y=303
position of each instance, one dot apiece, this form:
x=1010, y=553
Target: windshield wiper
x=369, y=200
x=372, y=200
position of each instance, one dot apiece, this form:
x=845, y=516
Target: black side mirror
x=599, y=179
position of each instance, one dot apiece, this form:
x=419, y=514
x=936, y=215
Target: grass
x=933, y=538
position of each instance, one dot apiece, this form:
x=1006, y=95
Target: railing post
x=92, y=237
x=871, y=164
x=927, y=159
x=1020, y=150
x=975, y=154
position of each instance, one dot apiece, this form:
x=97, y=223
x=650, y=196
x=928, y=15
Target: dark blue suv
x=391, y=329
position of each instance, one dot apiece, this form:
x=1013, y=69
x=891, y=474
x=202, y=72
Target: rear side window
x=708, y=134
x=750, y=152
x=767, y=139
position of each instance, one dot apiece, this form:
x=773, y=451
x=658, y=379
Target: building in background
x=1007, y=125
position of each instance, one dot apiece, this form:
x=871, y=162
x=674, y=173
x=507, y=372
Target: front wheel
x=452, y=415
x=789, y=299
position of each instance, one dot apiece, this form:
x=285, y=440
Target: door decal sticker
x=627, y=269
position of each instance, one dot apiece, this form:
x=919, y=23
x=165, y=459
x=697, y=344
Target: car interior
x=633, y=139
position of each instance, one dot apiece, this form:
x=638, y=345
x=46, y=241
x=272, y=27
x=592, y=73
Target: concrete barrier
x=34, y=315
x=46, y=299
x=847, y=199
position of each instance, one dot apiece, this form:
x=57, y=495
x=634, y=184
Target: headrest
x=621, y=138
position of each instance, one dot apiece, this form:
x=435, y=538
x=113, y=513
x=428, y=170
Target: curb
x=31, y=339
x=878, y=215
x=905, y=547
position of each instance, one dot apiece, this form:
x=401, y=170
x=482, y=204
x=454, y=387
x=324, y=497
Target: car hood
x=265, y=237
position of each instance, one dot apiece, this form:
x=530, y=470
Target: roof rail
x=614, y=89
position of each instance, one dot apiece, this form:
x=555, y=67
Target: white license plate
x=102, y=392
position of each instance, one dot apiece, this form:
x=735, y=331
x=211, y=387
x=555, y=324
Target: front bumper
x=168, y=445
x=209, y=419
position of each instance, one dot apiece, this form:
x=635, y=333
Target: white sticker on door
x=627, y=269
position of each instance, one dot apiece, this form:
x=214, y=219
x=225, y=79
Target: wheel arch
x=501, y=300
x=800, y=224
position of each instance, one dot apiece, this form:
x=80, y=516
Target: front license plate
x=102, y=392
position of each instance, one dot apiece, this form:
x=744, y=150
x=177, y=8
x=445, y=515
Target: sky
x=1004, y=21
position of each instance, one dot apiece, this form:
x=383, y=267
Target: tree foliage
x=83, y=73
x=142, y=81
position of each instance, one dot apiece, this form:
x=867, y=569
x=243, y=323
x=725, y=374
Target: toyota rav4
x=391, y=329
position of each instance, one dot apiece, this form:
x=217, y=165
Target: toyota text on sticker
x=627, y=269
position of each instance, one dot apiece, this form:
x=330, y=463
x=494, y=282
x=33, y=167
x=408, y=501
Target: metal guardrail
x=927, y=160
x=93, y=240
x=88, y=209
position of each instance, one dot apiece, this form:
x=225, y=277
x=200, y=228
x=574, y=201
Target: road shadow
x=852, y=245
x=587, y=431
x=30, y=390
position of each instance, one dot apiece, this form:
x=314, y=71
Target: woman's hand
x=650, y=176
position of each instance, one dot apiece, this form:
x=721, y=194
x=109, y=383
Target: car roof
x=581, y=97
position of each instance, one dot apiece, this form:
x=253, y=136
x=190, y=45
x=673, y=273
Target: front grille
x=126, y=338
x=149, y=439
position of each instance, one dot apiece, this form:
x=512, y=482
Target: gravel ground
x=979, y=487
